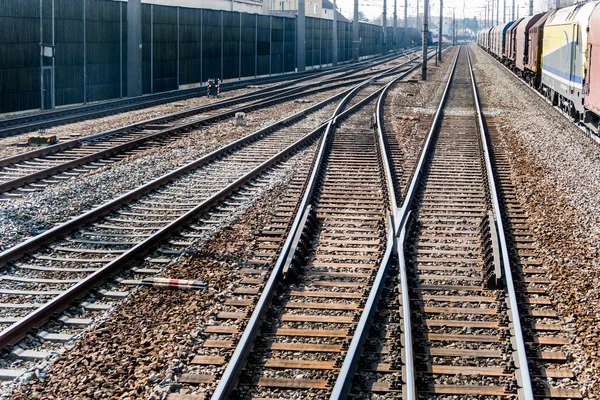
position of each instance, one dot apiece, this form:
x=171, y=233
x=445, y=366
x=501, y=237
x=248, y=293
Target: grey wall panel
x=207, y=49
x=19, y=55
x=189, y=45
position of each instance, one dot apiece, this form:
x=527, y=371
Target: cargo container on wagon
x=522, y=41
x=509, y=42
x=533, y=61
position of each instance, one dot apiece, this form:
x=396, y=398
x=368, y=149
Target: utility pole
x=497, y=12
x=418, y=21
x=492, y=16
x=439, y=56
x=396, y=24
x=355, y=38
x=335, y=34
x=530, y=8
x=384, y=26
x=504, y=13
x=557, y=4
x=513, y=10
x=301, y=37
x=453, y=27
x=424, y=39
x=405, y=38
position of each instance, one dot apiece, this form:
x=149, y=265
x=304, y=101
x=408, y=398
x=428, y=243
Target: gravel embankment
x=417, y=102
x=89, y=127
x=556, y=169
x=150, y=337
x=36, y=212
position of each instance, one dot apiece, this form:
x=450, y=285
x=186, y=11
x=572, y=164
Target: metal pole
x=240, y=49
x=395, y=42
x=557, y=4
x=418, y=21
x=497, y=12
x=178, y=52
x=424, y=39
x=492, y=16
x=453, y=27
x=151, y=48
x=335, y=34
x=405, y=39
x=282, y=44
x=270, y=44
x=41, y=55
x=355, y=33
x=439, y=50
x=201, y=46
x=504, y=13
x=84, y=56
x=513, y=10
x=53, y=99
x=121, y=50
x=256, y=45
x=530, y=7
x=384, y=26
x=320, y=42
x=222, y=34
x=301, y=37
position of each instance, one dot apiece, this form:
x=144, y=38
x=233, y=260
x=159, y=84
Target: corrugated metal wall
x=181, y=47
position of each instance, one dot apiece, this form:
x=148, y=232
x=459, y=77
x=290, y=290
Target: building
x=249, y=6
x=313, y=8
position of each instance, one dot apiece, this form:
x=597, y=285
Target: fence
x=85, y=47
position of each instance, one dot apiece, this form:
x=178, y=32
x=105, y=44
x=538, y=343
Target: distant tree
x=361, y=17
x=471, y=23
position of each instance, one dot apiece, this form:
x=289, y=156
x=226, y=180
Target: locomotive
x=558, y=53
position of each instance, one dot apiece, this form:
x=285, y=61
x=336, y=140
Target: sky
x=472, y=8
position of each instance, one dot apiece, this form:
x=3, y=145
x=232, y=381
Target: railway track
x=46, y=119
x=464, y=317
x=460, y=313
x=46, y=274
x=35, y=170
x=298, y=350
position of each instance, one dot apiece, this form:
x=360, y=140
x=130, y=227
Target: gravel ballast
x=36, y=212
x=556, y=170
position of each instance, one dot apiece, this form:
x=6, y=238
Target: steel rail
x=157, y=120
x=344, y=380
x=425, y=151
x=522, y=366
x=21, y=328
x=238, y=360
x=349, y=366
x=35, y=176
x=35, y=242
x=409, y=354
x=45, y=119
x=343, y=383
x=271, y=93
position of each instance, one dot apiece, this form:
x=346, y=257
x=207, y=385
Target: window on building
x=308, y=8
x=316, y=9
x=282, y=5
x=272, y=4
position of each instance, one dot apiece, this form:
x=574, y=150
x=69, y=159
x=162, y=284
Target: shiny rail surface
x=46, y=119
x=139, y=220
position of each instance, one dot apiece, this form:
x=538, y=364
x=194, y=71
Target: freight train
x=558, y=53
